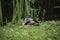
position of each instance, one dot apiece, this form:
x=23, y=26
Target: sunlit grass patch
x=49, y=30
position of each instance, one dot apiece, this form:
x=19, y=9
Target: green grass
x=49, y=30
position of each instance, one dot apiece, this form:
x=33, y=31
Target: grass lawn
x=49, y=30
